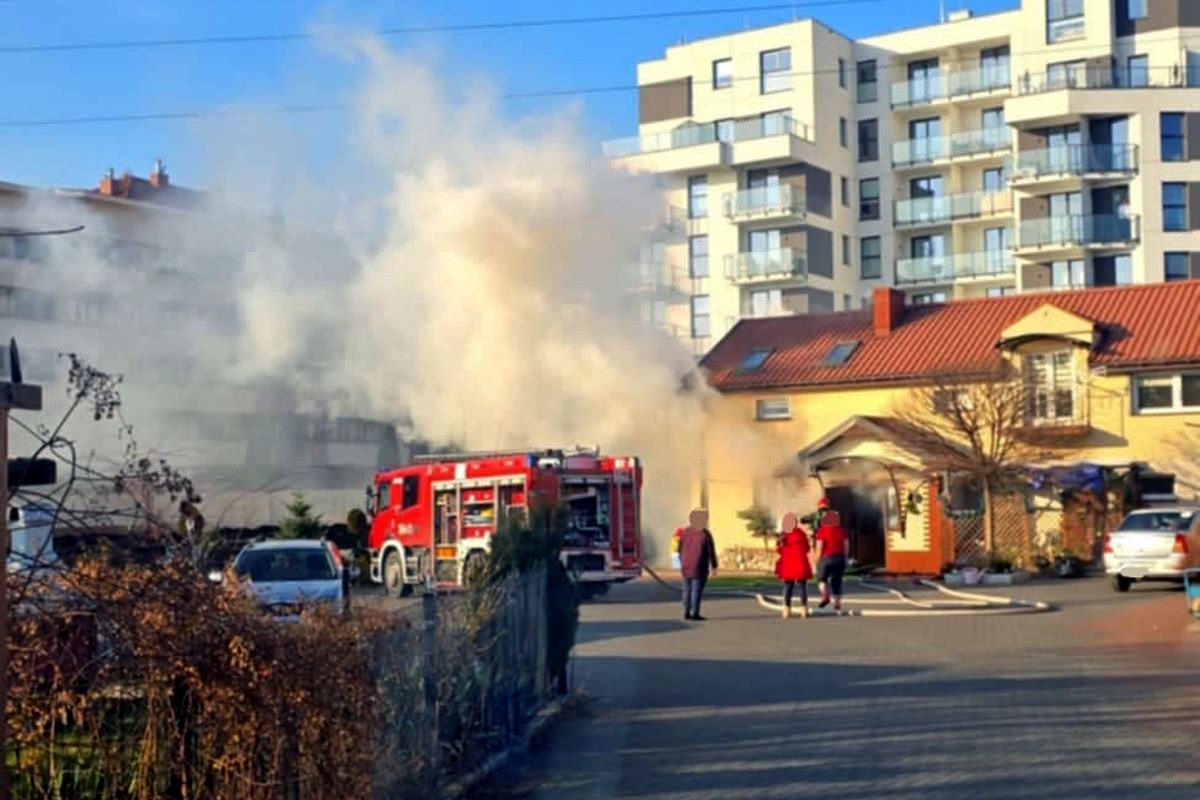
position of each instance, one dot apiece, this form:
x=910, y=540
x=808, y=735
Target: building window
x=994, y=66
x=1171, y=136
x=755, y=359
x=1050, y=383
x=1175, y=266
x=1175, y=212
x=845, y=187
x=870, y=257
x=1137, y=71
x=765, y=303
x=701, y=329
x=722, y=73
x=1000, y=291
x=842, y=72
x=1159, y=393
x=697, y=196
x=868, y=83
x=843, y=132
x=845, y=249
x=846, y=302
x=1138, y=9
x=772, y=408
x=993, y=179
x=868, y=198
x=698, y=256
x=774, y=66
x=927, y=298
x=724, y=130
x=1112, y=270
x=1068, y=274
x=868, y=140
x=1064, y=20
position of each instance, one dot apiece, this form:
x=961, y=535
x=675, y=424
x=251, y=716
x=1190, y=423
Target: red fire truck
x=431, y=519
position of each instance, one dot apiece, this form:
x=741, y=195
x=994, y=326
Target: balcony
x=947, y=269
x=767, y=202
x=965, y=144
x=765, y=266
x=696, y=145
x=660, y=280
x=947, y=208
x=945, y=85
x=1075, y=160
x=1108, y=77
x=1078, y=231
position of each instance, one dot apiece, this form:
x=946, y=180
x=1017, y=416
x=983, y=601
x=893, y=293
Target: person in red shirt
x=793, y=565
x=832, y=547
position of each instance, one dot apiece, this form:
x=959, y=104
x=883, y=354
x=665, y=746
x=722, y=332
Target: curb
x=541, y=721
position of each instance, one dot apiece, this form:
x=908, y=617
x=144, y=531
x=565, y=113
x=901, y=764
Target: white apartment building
x=1053, y=146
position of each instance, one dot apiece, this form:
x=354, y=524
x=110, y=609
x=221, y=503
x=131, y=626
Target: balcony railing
x=1108, y=77
x=784, y=263
x=939, y=85
x=1079, y=230
x=659, y=278
x=944, y=208
x=695, y=133
x=764, y=201
x=1077, y=159
x=955, y=145
x=945, y=269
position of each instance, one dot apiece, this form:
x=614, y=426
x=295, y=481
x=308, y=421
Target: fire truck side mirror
x=370, y=497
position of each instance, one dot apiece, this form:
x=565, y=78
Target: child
x=793, y=565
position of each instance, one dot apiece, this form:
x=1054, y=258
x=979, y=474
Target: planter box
x=956, y=579
x=1007, y=578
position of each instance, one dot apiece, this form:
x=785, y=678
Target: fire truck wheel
x=393, y=576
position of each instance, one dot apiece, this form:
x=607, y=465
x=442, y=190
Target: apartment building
x=144, y=285
x=1052, y=146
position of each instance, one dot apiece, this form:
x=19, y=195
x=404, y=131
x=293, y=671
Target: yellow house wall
x=740, y=451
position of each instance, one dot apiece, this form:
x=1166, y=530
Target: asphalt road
x=1100, y=699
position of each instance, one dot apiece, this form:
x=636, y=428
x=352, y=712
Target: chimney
x=158, y=177
x=108, y=182
x=888, y=307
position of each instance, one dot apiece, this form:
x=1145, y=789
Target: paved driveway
x=1098, y=700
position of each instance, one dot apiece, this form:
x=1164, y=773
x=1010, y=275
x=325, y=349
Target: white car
x=288, y=576
x=1153, y=544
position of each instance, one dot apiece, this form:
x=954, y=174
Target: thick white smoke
x=495, y=312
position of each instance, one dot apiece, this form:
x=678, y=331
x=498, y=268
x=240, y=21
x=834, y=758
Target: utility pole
x=14, y=394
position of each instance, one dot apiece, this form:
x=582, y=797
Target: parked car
x=1153, y=544
x=289, y=576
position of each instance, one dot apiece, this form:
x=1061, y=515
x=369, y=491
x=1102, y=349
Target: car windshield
x=1165, y=521
x=280, y=565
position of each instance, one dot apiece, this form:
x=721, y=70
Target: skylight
x=840, y=353
x=755, y=359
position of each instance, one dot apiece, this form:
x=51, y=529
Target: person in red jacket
x=793, y=565
x=832, y=547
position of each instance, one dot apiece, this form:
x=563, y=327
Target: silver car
x=1153, y=544
x=289, y=576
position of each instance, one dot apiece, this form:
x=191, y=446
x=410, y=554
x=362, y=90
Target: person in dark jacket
x=697, y=561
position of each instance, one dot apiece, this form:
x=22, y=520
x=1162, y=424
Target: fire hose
x=960, y=604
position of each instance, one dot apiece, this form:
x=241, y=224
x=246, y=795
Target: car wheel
x=1121, y=584
x=393, y=576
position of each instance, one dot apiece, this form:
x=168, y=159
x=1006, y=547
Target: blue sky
x=83, y=84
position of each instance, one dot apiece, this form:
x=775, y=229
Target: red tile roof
x=1145, y=325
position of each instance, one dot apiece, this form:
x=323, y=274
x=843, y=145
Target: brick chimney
x=108, y=183
x=158, y=176
x=888, y=306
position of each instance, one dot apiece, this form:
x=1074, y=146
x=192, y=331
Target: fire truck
x=432, y=519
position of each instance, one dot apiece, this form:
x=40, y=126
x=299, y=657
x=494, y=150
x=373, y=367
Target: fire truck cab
x=431, y=519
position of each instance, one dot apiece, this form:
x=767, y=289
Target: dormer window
x=1050, y=387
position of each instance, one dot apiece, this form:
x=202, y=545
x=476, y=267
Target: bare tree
x=976, y=423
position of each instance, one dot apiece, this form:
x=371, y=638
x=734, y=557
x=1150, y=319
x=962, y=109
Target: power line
x=461, y=27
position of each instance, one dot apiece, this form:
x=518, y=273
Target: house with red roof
x=1111, y=377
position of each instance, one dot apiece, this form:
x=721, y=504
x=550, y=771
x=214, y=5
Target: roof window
x=840, y=353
